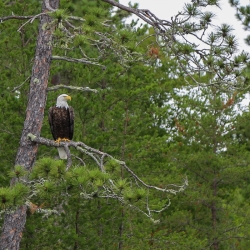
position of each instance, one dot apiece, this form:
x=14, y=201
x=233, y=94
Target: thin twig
x=19, y=86
x=80, y=159
x=31, y=20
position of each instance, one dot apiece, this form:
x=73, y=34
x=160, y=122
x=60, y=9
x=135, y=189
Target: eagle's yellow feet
x=65, y=139
x=58, y=140
x=62, y=140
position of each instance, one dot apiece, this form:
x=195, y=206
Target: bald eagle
x=61, y=121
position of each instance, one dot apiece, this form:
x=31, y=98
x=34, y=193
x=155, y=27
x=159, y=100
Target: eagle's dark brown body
x=61, y=122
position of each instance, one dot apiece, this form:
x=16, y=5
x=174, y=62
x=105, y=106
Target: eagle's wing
x=71, y=120
x=51, y=122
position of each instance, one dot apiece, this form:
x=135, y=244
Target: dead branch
x=19, y=86
x=145, y=15
x=48, y=7
x=60, y=86
x=109, y=189
x=76, y=60
x=98, y=156
x=2, y=19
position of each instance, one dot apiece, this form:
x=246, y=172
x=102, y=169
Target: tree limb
x=2, y=19
x=76, y=60
x=19, y=86
x=145, y=15
x=48, y=7
x=31, y=20
x=98, y=156
x=60, y=86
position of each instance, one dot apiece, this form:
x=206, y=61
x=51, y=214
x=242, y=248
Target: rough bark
x=14, y=222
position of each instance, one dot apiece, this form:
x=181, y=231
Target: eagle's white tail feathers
x=62, y=153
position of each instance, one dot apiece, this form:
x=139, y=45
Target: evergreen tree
x=242, y=14
x=212, y=212
x=128, y=118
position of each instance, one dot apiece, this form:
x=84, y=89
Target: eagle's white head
x=62, y=101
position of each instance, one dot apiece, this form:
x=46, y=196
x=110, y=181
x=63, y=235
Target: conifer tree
x=212, y=211
x=129, y=95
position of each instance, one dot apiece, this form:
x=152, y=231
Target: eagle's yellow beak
x=68, y=97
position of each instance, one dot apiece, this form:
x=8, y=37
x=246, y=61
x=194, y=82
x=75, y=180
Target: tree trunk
x=214, y=216
x=14, y=222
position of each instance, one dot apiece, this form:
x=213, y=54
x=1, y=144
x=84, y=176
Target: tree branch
x=19, y=86
x=2, y=19
x=145, y=15
x=31, y=20
x=98, y=156
x=60, y=86
x=76, y=60
x=48, y=7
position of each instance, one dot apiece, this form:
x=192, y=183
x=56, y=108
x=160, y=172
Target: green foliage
x=140, y=193
x=19, y=193
x=112, y=166
x=17, y=51
x=45, y=189
x=13, y=196
x=138, y=116
x=6, y=198
x=48, y=168
x=206, y=149
x=59, y=14
x=80, y=40
x=121, y=184
x=19, y=171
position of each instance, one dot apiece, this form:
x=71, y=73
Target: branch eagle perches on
x=109, y=189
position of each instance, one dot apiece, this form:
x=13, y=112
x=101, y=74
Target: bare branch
x=145, y=15
x=76, y=18
x=109, y=189
x=48, y=7
x=76, y=60
x=180, y=188
x=98, y=156
x=8, y=132
x=78, y=158
x=31, y=20
x=19, y=86
x=2, y=19
x=60, y=86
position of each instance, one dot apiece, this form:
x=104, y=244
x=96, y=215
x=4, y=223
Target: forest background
x=164, y=159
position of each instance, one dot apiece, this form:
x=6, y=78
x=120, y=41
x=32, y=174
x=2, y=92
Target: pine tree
x=127, y=118
x=209, y=213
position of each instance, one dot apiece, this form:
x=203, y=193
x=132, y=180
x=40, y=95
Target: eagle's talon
x=65, y=139
x=62, y=140
x=58, y=140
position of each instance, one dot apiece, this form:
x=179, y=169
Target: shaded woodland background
x=148, y=112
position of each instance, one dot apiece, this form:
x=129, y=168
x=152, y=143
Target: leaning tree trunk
x=14, y=222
